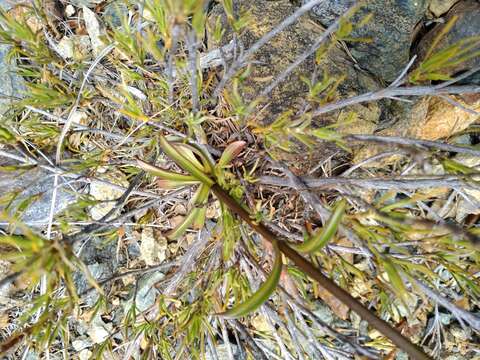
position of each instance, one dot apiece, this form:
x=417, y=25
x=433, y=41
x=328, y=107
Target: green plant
x=188, y=162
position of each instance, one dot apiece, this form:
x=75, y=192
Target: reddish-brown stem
x=386, y=329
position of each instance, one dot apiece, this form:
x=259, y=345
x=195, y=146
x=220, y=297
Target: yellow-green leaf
x=165, y=174
x=189, y=152
x=181, y=228
x=6, y=135
x=183, y=162
x=196, y=217
x=395, y=279
x=261, y=295
x=323, y=236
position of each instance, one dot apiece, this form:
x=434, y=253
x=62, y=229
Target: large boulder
x=10, y=83
x=466, y=26
x=274, y=57
x=390, y=31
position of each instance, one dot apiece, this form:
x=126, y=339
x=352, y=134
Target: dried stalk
x=400, y=183
x=409, y=142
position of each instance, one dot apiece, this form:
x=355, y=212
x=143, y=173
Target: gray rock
x=10, y=83
x=467, y=25
x=391, y=30
x=328, y=11
x=101, y=261
x=99, y=272
x=146, y=292
x=37, y=184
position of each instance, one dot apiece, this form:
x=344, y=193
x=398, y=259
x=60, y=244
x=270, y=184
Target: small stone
x=444, y=119
x=152, y=250
x=94, y=29
x=85, y=354
x=222, y=352
x=106, y=194
x=89, y=3
x=75, y=47
x=65, y=48
x=81, y=343
x=462, y=334
x=69, y=10
x=445, y=319
x=213, y=210
x=146, y=292
x=24, y=14
x=259, y=323
x=471, y=204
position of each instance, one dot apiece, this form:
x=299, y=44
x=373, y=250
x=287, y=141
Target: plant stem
x=386, y=329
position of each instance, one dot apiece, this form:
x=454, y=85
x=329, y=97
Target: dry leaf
x=259, y=323
x=98, y=330
x=4, y=320
x=24, y=12
x=94, y=30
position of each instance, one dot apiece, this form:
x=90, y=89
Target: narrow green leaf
x=181, y=228
x=200, y=219
x=201, y=196
x=183, y=162
x=198, y=22
x=395, y=279
x=6, y=135
x=323, y=236
x=189, y=152
x=22, y=242
x=164, y=174
x=455, y=167
x=261, y=295
x=196, y=215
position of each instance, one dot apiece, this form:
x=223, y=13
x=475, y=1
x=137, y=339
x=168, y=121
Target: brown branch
x=398, y=339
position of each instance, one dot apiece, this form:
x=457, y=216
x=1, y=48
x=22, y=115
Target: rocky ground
x=156, y=294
